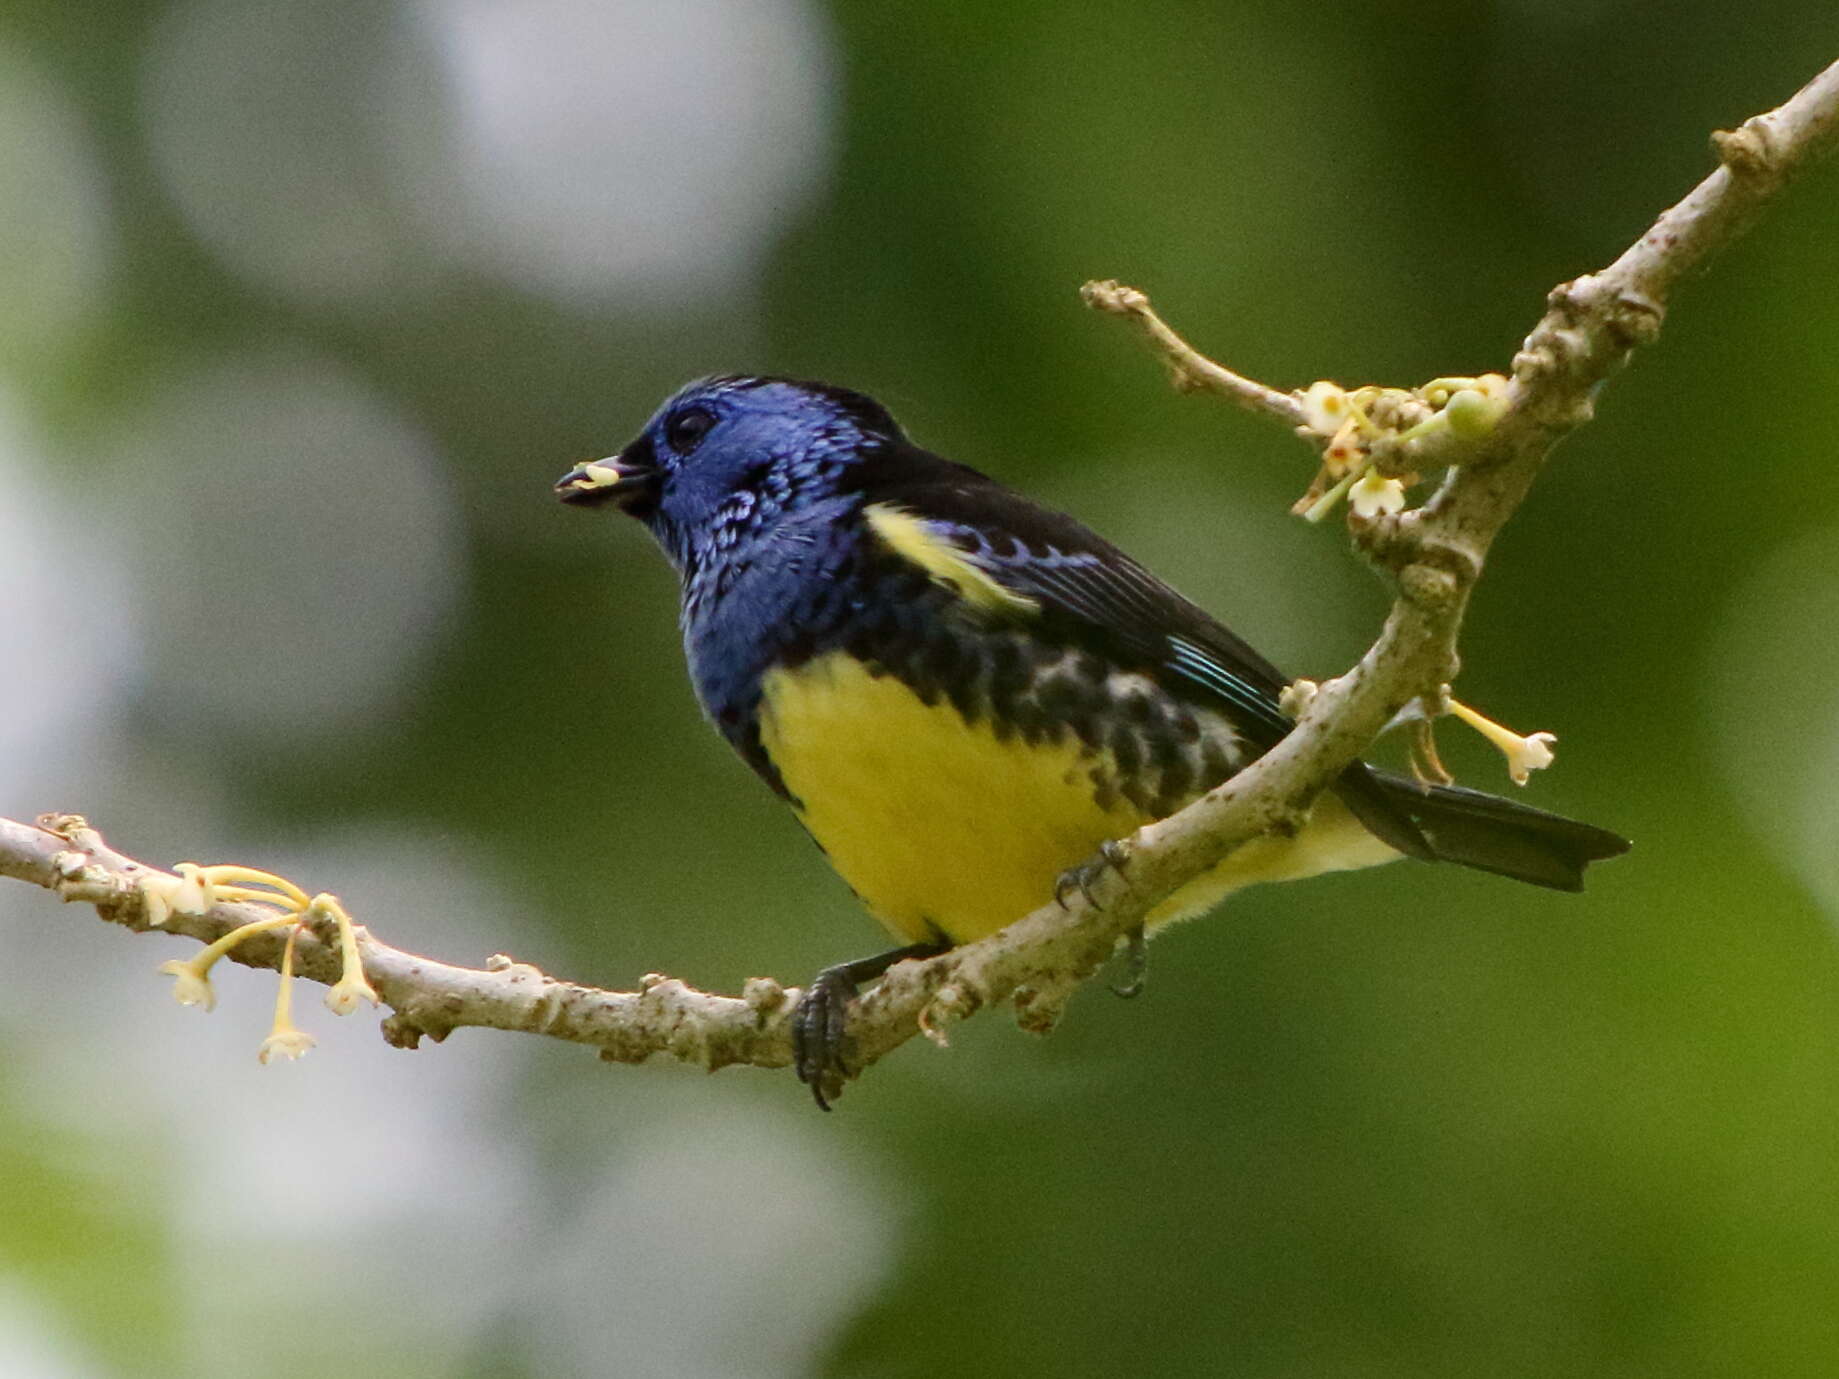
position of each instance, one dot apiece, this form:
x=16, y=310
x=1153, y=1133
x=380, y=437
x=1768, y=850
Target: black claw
x=1112, y=855
x=1136, y=964
x=817, y=1033
x=820, y=1053
x=1079, y=879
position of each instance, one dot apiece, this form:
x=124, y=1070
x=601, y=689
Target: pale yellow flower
x=287, y=1043
x=1297, y=696
x=192, y=986
x=1343, y=451
x=1373, y=495
x=351, y=986
x=1325, y=407
x=284, y=1041
x=197, y=890
x=1525, y=753
x=343, y=997
x=1531, y=753
x=156, y=890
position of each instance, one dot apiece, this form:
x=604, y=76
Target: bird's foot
x=1136, y=964
x=818, y=1033
x=1112, y=857
x=1427, y=767
x=820, y=1023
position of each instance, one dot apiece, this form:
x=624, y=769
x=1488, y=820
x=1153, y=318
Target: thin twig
x=1188, y=367
x=428, y=998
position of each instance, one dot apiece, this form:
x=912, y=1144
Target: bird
x=964, y=695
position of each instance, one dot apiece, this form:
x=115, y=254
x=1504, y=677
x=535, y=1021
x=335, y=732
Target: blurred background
x=308, y=302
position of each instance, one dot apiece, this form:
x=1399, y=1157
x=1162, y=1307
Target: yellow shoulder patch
x=910, y=536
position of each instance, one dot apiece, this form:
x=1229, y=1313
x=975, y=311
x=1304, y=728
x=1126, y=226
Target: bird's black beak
x=616, y=480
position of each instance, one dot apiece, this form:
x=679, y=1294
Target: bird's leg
x=1427, y=767
x=818, y=1024
x=1111, y=856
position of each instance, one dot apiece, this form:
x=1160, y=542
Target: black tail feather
x=1447, y=823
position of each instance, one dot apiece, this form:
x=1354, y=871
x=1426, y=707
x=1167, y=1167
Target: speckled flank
x=916, y=793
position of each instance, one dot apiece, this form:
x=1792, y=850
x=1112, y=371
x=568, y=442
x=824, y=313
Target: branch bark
x=1436, y=552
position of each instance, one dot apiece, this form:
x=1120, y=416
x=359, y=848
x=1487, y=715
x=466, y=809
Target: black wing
x=1096, y=591
x=1103, y=599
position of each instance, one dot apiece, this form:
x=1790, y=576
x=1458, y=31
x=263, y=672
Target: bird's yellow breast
x=943, y=827
x=934, y=822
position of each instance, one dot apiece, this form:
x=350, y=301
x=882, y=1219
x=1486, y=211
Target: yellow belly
x=941, y=828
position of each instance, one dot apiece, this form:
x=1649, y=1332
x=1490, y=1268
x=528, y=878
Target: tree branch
x=1189, y=369
x=1436, y=553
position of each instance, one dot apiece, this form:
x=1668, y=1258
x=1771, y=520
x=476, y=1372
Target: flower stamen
x=352, y=986
x=284, y=1040
x=194, y=973
x=1525, y=754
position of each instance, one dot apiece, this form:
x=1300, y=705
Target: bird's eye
x=686, y=429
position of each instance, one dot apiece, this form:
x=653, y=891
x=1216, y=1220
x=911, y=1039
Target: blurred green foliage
x=1398, y=1123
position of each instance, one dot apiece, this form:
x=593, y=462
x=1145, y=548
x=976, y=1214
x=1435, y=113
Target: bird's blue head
x=730, y=456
